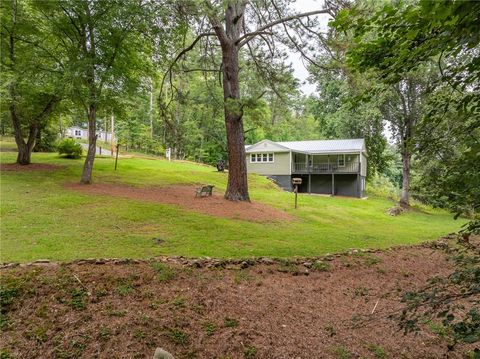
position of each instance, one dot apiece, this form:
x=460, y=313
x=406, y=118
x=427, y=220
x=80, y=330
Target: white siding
x=280, y=166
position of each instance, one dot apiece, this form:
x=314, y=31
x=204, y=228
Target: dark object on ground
x=159, y=241
x=221, y=165
x=204, y=191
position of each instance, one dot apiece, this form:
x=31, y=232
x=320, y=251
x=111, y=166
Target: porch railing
x=351, y=167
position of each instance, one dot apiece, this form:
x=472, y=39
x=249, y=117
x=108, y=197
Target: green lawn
x=42, y=219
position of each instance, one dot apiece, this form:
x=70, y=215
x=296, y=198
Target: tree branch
x=247, y=37
x=180, y=54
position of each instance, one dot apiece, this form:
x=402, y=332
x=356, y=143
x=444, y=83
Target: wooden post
x=100, y=150
x=296, y=192
x=116, y=156
x=296, y=181
x=309, y=183
x=333, y=184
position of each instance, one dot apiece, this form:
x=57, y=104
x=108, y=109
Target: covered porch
x=303, y=163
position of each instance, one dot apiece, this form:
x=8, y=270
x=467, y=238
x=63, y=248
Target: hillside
x=132, y=212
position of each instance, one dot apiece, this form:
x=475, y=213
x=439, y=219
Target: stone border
x=242, y=263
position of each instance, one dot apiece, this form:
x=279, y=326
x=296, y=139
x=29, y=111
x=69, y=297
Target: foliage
x=438, y=36
x=70, y=148
x=382, y=186
x=46, y=139
x=32, y=73
x=453, y=299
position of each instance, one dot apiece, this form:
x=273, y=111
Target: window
x=341, y=161
x=262, y=157
x=78, y=132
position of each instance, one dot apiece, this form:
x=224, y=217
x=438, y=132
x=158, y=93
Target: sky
x=298, y=64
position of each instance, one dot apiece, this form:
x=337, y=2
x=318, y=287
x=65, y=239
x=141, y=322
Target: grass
x=43, y=219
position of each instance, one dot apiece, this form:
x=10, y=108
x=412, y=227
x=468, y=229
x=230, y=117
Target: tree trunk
x=92, y=146
x=405, y=197
x=237, y=187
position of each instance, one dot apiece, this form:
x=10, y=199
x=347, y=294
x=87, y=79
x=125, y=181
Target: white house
x=82, y=133
x=325, y=166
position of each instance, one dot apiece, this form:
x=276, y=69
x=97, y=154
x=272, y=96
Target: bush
x=46, y=140
x=381, y=186
x=70, y=148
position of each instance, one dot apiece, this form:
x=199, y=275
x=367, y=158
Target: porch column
x=333, y=184
x=309, y=183
x=359, y=190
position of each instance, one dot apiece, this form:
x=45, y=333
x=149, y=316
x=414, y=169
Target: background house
x=82, y=133
x=336, y=167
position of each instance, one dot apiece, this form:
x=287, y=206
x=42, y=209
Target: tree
x=229, y=23
x=32, y=69
x=107, y=48
x=412, y=36
x=403, y=109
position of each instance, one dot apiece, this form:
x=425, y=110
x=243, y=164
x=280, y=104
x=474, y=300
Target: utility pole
x=150, y=112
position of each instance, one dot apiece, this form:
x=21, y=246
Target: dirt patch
x=265, y=311
x=15, y=167
x=184, y=196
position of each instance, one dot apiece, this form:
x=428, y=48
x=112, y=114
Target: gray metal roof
x=326, y=146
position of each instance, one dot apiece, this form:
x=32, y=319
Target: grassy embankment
x=41, y=218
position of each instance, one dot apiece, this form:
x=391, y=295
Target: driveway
x=104, y=150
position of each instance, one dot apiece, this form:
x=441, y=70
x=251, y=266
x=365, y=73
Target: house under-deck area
x=335, y=174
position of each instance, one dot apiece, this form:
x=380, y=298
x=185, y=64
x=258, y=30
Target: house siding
x=280, y=166
x=363, y=169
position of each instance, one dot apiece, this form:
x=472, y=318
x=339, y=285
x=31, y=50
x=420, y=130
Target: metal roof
x=326, y=146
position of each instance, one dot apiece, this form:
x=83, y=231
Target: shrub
x=381, y=186
x=46, y=140
x=70, y=148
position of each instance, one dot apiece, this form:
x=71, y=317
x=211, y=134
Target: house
x=82, y=134
x=336, y=167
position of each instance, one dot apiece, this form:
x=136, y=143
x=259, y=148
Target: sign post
x=116, y=155
x=168, y=153
x=296, y=181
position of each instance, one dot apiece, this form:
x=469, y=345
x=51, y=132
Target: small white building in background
x=82, y=134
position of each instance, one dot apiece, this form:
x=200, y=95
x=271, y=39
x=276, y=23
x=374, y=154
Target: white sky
x=298, y=64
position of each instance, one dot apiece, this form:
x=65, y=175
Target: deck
x=325, y=168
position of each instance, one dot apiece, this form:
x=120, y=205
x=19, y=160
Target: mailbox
x=296, y=181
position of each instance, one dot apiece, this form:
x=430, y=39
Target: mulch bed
x=15, y=167
x=184, y=196
x=263, y=311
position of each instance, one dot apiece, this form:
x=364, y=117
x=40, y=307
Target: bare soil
x=31, y=167
x=263, y=311
x=184, y=196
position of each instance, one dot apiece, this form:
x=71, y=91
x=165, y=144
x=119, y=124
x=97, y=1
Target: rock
x=42, y=261
x=196, y=264
x=162, y=354
x=9, y=265
x=244, y=265
x=307, y=264
x=395, y=211
x=268, y=261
